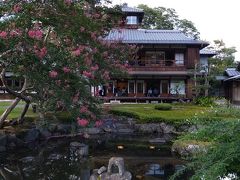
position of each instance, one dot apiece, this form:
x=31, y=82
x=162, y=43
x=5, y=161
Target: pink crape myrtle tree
x=57, y=48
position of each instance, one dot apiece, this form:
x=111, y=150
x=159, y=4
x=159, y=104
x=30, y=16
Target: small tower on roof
x=132, y=16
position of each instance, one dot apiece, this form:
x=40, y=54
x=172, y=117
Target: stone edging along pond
x=111, y=124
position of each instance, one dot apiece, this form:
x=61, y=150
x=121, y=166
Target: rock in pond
x=45, y=133
x=3, y=140
x=167, y=129
x=93, y=130
x=27, y=159
x=189, y=148
x=32, y=135
x=78, y=149
x=2, y=149
x=149, y=128
x=110, y=175
x=125, y=131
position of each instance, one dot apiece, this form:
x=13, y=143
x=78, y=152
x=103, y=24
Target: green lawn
x=61, y=116
x=180, y=113
x=17, y=111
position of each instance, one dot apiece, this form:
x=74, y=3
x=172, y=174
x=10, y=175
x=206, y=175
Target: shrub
x=125, y=113
x=163, y=106
x=205, y=101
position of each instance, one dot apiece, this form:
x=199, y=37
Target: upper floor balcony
x=158, y=61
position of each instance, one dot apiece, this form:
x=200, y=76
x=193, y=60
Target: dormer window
x=131, y=20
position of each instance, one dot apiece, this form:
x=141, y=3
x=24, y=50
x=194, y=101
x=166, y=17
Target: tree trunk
x=206, y=84
x=21, y=118
x=8, y=111
x=18, y=97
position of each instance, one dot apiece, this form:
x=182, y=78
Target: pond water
x=52, y=160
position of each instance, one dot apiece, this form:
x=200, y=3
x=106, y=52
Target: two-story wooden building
x=164, y=65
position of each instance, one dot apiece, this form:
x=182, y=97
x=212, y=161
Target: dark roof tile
x=207, y=52
x=144, y=36
x=232, y=72
x=130, y=9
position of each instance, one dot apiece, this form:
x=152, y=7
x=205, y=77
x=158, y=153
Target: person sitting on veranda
x=124, y=91
x=155, y=92
x=149, y=93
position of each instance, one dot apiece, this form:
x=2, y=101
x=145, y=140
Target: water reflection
x=54, y=161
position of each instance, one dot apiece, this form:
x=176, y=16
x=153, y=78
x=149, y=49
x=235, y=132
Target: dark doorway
x=164, y=87
x=153, y=88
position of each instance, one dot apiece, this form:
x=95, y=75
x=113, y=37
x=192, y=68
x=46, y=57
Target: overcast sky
x=214, y=19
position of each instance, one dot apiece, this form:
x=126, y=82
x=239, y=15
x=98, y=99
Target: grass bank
x=17, y=111
x=179, y=114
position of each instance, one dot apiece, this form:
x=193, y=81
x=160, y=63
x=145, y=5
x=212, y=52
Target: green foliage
x=224, y=58
x=225, y=112
x=163, y=106
x=167, y=18
x=222, y=157
x=205, y=101
x=124, y=113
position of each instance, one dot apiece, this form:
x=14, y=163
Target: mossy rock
x=190, y=147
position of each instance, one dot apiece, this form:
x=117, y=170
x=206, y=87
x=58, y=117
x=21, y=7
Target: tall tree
x=55, y=46
x=224, y=58
x=167, y=18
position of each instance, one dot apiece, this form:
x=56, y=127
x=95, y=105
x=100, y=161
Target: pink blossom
x=97, y=15
x=3, y=34
x=82, y=29
x=58, y=82
x=31, y=33
x=66, y=69
x=93, y=35
x=83, y=109
x=88, y=59
x=87, y=74
x=41, y=53
x=15, y=33
x=60, y=104
x=95, y=50
x=82, y=122
x=75, y=99
x=38, y=34
x=93, y=116
x=68, y=2
x=77, y=52
x=106, y=75
x=98, y=123
x=17, y=8
x=53, y=74
x=94, y=68
x=105, y=54
x=35, y=34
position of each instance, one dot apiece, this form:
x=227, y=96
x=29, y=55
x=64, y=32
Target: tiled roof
x=233, y=78
x=232, y=72
x=144, y=36
x=130, y=9
x=207, y=52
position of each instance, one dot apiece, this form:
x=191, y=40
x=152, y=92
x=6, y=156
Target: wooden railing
x=154, y=63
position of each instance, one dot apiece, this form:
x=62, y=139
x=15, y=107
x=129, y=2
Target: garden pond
x=146, y=157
